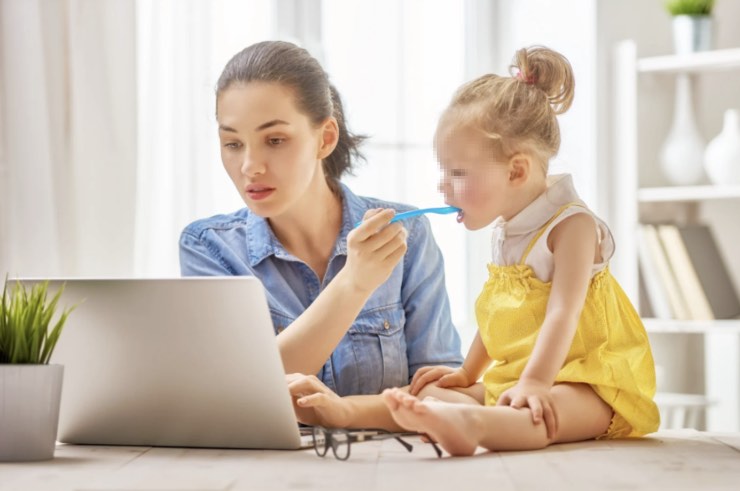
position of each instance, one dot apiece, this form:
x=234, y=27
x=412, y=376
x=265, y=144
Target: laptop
x=187, y=362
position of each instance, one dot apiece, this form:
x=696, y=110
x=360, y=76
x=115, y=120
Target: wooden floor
x=674, y=460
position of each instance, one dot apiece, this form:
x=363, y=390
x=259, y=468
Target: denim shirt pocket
x=379, y=345
x=280, y=320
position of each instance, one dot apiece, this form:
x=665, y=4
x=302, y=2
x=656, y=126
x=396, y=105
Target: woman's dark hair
x=287, y=64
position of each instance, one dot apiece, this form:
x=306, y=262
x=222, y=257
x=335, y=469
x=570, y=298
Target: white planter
x=682, y=154
x=722, y=157
x=692, y=33
x=29, y=411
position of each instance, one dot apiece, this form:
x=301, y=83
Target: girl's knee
x=446, y=395
x=582, y=414
x=432, y=390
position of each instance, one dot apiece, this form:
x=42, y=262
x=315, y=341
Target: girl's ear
x=329, y=132
x=520, y=166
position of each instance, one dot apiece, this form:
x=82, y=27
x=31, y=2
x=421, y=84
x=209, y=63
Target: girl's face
x=473, y=178
x=271, y=151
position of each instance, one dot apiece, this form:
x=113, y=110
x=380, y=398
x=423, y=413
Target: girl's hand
x=536, y=396
x=445, y=377
x=316, y=404
x=373, y=249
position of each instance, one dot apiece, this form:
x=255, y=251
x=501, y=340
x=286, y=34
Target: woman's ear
x=329, y=131
x=520, y=166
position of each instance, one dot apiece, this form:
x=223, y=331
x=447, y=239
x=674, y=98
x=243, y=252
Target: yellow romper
x=610, y=349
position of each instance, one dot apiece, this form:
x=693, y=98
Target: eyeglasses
x=340, y=440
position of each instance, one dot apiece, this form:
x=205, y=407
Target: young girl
x=563, y=354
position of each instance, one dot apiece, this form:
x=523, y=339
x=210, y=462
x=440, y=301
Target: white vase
x=682, y=154
x=29, y=411
x=692, y=33
x=722, y=157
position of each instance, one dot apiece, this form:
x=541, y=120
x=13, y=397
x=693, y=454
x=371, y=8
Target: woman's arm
x=373, y=250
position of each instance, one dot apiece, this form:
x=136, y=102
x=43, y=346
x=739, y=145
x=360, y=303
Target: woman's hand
x=536, y=396
x=315, y=403
x=445, y=377
x=373, y=250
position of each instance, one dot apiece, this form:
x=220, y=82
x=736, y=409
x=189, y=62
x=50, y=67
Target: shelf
x=711, y=365
x=689, y=327
x=687, y=193
x=722, y=59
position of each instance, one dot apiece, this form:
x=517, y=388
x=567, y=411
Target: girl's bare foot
x=453, y=426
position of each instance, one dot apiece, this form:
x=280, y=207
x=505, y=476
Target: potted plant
x=30, y=388
x=692, y=24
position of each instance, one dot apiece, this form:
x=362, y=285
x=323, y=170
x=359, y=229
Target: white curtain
x=108, y=138
x=182, y=46
x=67, y=140
x=394, y=87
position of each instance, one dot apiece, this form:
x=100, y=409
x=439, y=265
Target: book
x=664, y=272
x=645, y=306
x=687, y=278
x=712, y=270
x=654, y=289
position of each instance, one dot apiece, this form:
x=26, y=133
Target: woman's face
x=471, y=176
x=271, y=151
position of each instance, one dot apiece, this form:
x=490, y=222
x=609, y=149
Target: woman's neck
x=310, y=230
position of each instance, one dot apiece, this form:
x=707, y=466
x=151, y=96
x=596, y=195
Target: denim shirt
x=404, y=325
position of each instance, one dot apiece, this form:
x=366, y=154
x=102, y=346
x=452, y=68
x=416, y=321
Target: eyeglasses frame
x=356, y=436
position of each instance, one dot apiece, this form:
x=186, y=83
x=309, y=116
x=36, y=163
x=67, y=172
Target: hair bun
x=548, y=71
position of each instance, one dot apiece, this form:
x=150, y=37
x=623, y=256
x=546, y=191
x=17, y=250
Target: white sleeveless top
x=510, y=239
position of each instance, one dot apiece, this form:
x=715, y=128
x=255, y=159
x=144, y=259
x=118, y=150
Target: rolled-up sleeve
x=198, y=259
x=431, y=338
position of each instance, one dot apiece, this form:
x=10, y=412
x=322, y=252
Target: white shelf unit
x=702, y=61
x=721, y=337
x=679, y=194
x=668, y=326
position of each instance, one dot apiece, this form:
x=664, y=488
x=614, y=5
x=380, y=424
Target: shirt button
x=280, y=329
x=386, y=325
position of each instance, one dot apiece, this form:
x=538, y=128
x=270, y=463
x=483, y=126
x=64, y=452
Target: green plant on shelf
x=25, y=319
x=689, y=7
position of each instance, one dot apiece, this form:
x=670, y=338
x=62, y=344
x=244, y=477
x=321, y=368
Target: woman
x=362, y=308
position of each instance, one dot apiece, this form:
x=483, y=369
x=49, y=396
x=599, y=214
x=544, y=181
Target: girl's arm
x=473, y=367
x=574, y=245
x=476, y=361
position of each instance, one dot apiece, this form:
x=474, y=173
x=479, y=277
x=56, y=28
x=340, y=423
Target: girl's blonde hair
x=518, y=112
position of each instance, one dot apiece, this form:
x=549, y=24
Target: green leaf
x=689, y=7
x=25, y=320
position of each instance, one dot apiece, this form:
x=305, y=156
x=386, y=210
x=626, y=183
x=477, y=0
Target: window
x=394, y=86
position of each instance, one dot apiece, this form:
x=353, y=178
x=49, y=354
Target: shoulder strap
x=544, y=227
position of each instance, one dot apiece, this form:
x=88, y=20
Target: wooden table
x=678, y=459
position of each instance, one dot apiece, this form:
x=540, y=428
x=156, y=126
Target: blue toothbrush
x=415, y=213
